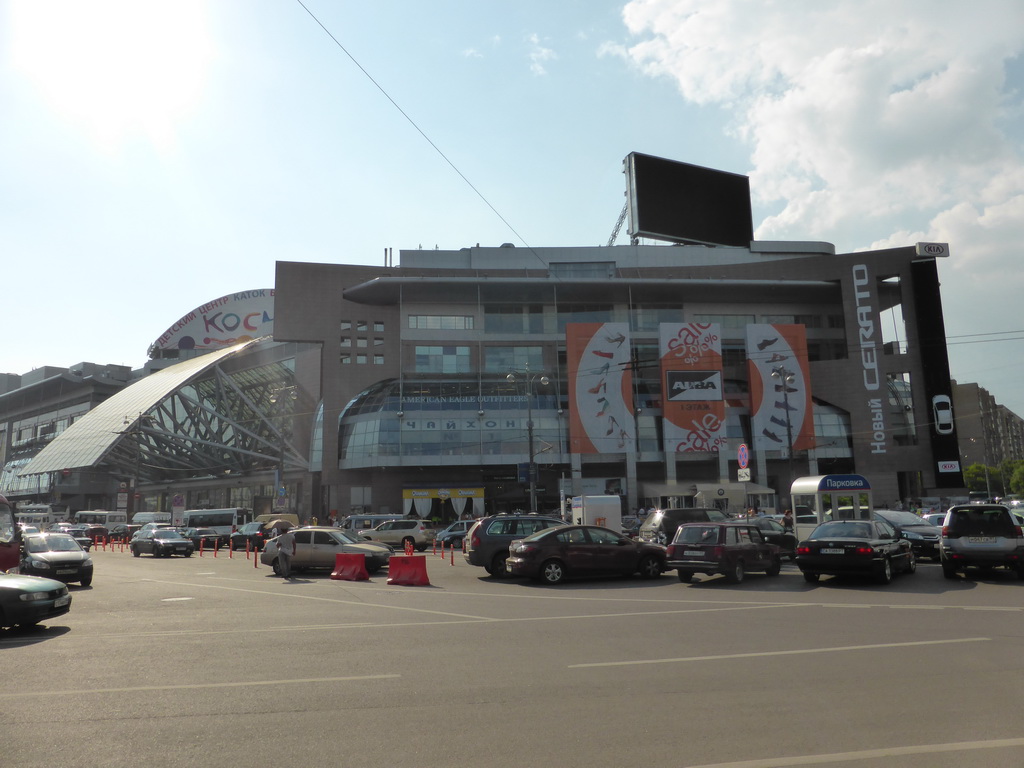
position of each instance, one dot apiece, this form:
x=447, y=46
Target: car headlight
x=87, y=561
x=30, y=597
x=913, y=536
x=38, y=564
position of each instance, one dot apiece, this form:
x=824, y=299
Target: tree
x=977, y=477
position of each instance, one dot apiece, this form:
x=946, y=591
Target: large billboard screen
x=681, y=203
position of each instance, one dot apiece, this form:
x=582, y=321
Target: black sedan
x=922, y=535
x=78, y=534
x=774, y=533
x=161, y=542
x=56, y=556
x=554, y=554
x=28, y=600
x=205, y=539
x=855, y=547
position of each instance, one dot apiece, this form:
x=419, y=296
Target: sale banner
x=693, y=408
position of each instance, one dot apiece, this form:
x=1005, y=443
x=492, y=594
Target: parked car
x=453, y=535
x=981, y=536
x=95, y=532
x=731, y=549
x=399, y=533
x=775, y=533
x=318, y=547
x=252, y=534
x=161, y=542
x=922, y=535
x=56, y=556
x=489, y=538
x=206, y=539
x=855, y=547
x=934, y=518
x=28, y=600
x=660, y=526
x=79, y=535
x=573, y=551
x=123, y=531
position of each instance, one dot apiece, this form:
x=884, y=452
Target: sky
x=157, y=154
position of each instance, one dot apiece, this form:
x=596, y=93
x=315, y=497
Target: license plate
x=66, y=570
x=693, y=553
x=60, y=602
x=982, y=539
x=832, y=550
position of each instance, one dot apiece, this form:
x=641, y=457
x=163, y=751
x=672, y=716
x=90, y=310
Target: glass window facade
x=443, y=359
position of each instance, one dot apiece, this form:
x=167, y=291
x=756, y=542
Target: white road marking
x=758, y=654
x=148, y=688
x=866, y=754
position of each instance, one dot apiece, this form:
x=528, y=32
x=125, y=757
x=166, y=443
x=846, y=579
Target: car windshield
x=347, y=538
x=696, y=534
x=839, y=530
x=901, y=518
x=166, y=534
x=54, y=543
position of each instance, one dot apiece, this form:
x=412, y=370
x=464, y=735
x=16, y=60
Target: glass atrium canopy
x=230, y=411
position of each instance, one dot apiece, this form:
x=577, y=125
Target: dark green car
x=28, y=600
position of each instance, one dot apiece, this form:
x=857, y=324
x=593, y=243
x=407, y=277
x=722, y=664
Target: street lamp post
x=785, y=378
x=529, y=380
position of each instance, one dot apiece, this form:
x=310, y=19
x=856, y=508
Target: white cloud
x=879, y=122
x=539, y=54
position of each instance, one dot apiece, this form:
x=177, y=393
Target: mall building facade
x=449, y=381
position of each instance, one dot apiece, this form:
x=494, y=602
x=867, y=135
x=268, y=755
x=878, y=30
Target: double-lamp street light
x=529, y=380
x=784, y=379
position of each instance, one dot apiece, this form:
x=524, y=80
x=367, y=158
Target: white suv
x=400, y=532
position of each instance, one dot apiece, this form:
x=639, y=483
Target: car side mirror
x=623, y=542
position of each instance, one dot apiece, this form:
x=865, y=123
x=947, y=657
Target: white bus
x=223, y=521
x=38, y=515
x=101, y=517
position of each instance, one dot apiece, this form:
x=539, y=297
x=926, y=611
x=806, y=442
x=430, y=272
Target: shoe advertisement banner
x=780, y=387
x=600, y=388
x=693, y=408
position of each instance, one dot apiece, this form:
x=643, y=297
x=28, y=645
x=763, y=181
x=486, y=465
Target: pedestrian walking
x=787, y=521
x=285, y=552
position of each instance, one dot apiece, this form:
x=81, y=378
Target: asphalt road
x=213, y=662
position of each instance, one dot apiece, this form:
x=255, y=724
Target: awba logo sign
x=694, y=385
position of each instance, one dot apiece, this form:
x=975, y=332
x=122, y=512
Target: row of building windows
x=532, y=318
x=347, y=359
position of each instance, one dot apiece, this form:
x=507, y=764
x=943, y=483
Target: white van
x=141, y=518
x=353, y=524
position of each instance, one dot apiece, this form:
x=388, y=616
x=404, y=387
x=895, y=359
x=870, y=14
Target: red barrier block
x=350, y=567
x=408, y=570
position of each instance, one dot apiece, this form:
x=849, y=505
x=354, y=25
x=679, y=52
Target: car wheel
x=188, y=554
x=497, y=569
x=685, y=576
x=276, y=565
x=421, y=548
x=885, y=575
x=135, y=552
x=552, y=572
x=650, y=567
x=911, y=563
x=736, y=573
x=775, y=568
x=85, y=581
x=811, y=577
x=948, y=570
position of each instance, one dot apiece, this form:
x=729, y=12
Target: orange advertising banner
x=781, y=409
x=693, y=408
x=600, y=388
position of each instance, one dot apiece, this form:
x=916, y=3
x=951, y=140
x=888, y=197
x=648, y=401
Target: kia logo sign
x=949, y=466
x=933, y=249
x=693, y=385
